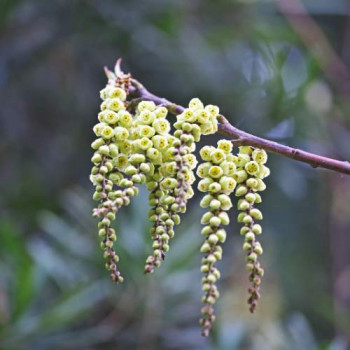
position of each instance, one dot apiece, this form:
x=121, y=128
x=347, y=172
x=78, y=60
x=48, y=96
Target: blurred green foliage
x=245, y=57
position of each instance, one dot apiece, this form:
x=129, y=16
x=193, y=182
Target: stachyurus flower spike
x=217, y=182
x=251, y=171
x=113, y=187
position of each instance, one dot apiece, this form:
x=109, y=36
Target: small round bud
x=225, y=145
x=260, y=156
x=213, y=239
x=257, y=229
x=252, y=168
x=241, y=190
x=221, y=234
x=249, y=236
x=215, y=221
x=256, y=214
x=215, y=204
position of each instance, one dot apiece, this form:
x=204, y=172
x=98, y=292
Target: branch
x=242, y=138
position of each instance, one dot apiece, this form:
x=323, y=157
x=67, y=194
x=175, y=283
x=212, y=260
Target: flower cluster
x=217, y=181
x=251, y=171
x=170, y=194
x=135, y=145
x=154, y=141
x=222, y=173
x=111, y=131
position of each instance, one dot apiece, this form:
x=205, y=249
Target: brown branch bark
x=240, y=137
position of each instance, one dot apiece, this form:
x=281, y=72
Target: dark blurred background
x=279, y=69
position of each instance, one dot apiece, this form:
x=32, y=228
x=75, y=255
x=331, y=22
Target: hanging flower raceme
x=176, y=174
x=251, y=171
x=154, y=139
x=135, y=146
x=113, y=188
x=217, y=181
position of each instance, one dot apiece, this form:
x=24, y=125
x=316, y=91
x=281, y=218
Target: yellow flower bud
x=168, y=183
x=161, y=112
x=215, y=221
x=97, y=143
x=245, y=150
x=104, y=149
x=240, y=176
x=205, y=248
x=252, y=183
x=217, y=156
x=240, y=217
x=206, y=218
x=203, y=170
x=125, y=146
x=98, y=128
x=258, y=249
x=104, y=93
x=204, y=184
x=212, y=110
x=250, y=197
x=117, y=93
x=190, y=160
x=161, y=126
x=252, y=168
x=121, y=134
x=223, y=216
x=125, y=119
x=149, y=105
x=121, y=161
x=144, y=143
x=153, y=153
x=109, y=117
x=264, y=171
x=206, y=200
x=206, y=230
x=107, y=132
x=202, y=117
x=115, y=104
x=205, y=153
x=146, y=131
x=215, y=204
x=227, y=184
x=103, y=105
x=260, y=156
x=256, y=214
x=207, y=128
x=146, y=117
x=113, y=150
x=96, y=158
x=257, y=198
x=221, y=234
x=241, y=190
x=225, y=145
x=213, y=239
x=160, y=142
x=215, y=172
x=229, y=168
x=242, y=159
x=137, y=158
x=260, y=185
x=195, y=104
x=214, y=187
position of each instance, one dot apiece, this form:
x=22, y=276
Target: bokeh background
x=279, y=69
